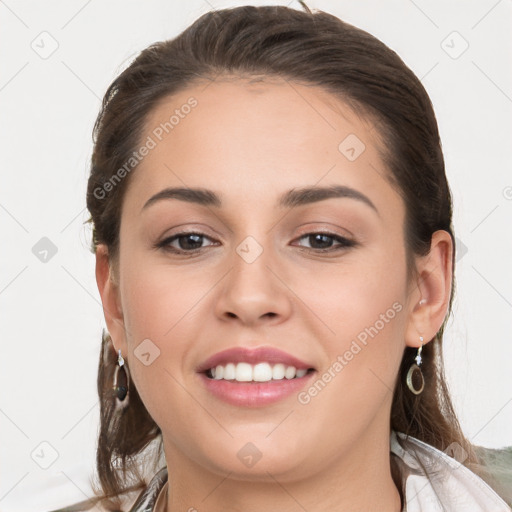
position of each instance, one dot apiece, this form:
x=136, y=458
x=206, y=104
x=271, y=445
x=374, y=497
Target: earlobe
x=431, y=296
x=110, y=298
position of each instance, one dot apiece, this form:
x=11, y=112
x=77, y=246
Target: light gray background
x=51, y=314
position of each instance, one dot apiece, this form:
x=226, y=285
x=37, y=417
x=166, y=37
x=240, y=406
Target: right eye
x=187, y=242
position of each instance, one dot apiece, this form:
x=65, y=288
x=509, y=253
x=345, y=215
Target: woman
x=275, y=256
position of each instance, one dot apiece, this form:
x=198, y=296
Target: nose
x=254, y=291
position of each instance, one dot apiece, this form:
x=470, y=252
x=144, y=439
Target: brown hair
x=313, y=48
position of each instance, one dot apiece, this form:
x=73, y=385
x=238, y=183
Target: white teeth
x=219, y=372
x=243, y=372
x=229, y=371
x=261, y=372
x=278, y=371
x=290, y=372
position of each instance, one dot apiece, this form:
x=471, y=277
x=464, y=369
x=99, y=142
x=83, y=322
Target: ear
x=110, y=298
x=432, y=287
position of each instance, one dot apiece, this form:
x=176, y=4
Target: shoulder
x=496, y=469
x=436, y=481
x=134, y=501
x=123, y=503
x=99, y=505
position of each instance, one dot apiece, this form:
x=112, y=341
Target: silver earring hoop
x=415, y=380
x=121, y=381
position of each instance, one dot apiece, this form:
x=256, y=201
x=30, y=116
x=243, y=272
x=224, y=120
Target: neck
x=360, y=480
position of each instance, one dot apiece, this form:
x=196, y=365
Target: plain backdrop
x=57, y=59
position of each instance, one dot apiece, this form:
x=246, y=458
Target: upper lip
x=252, y=356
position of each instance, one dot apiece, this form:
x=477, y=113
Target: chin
x=258, y=457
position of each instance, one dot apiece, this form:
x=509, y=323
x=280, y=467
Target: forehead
x=254, y=138
x=230, y=110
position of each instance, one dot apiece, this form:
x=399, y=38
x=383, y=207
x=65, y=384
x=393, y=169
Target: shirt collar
x=433, y=481
x=438, y=482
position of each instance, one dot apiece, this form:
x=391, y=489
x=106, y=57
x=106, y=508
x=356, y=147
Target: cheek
x=362, y=310
x=157, y=298
x=164, y=311
x=159, y=312
x=366, y=289
x=355, y=386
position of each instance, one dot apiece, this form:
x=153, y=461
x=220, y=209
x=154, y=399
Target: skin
x=250, y=143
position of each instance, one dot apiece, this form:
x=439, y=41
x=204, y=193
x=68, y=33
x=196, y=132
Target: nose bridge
x=251, y=274
x=251, y=290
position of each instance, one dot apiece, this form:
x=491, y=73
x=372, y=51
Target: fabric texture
x=433, y=480
x=437, y=482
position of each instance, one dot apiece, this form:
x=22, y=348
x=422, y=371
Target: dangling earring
x=415, y=381
x=121, y=381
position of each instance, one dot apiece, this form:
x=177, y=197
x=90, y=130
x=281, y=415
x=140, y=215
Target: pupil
x=186, y=245
x=317, y=237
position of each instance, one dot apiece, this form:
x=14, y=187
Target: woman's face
x=255, y=276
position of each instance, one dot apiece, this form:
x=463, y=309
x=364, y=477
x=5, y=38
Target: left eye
x=324, y=241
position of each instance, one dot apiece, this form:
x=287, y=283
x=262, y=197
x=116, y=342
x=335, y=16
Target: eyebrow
x=290, y=199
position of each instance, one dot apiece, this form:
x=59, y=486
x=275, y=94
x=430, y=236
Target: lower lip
x=254, y=394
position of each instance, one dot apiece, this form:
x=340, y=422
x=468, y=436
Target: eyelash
x=345, y=243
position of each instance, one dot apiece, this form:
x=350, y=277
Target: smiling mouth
x=260, y=372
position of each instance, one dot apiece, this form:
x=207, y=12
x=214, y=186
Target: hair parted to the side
x=311, y=48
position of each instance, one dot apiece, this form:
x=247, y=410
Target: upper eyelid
x=306, y=232
x=328, y=233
